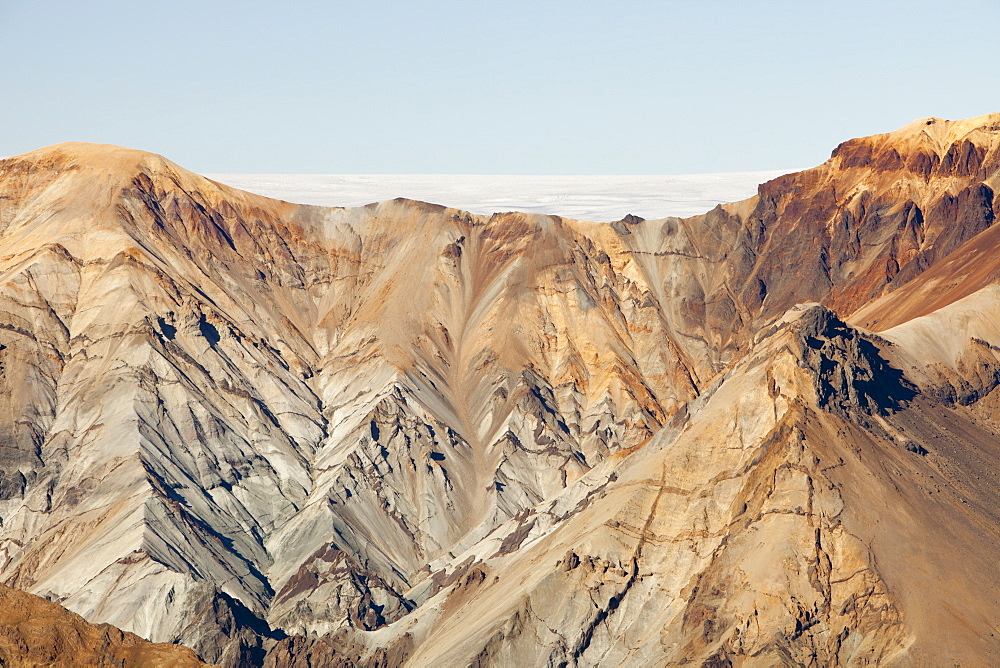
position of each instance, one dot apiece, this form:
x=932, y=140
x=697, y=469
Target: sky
x=501, y=87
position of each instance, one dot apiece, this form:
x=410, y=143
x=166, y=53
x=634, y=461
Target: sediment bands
x=403, y=434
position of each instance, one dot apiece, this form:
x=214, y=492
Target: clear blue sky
x=502, y=87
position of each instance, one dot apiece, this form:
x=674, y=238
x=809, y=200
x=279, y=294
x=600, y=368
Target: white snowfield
x=598, y=198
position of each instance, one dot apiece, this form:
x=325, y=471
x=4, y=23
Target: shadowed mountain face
x=405, y=434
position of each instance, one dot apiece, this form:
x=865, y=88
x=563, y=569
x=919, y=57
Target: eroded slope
x=429, y=436
x=36, y=632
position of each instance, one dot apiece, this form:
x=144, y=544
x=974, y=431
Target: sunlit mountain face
x=405, y=434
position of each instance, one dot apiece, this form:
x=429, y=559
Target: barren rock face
x=36, y=632
x=407, y=434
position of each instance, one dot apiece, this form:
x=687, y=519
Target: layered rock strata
x=403, y=433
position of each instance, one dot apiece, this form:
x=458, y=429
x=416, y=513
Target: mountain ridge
x=326, y=434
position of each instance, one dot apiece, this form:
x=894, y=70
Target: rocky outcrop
x=407, y=434
x=857, y=228
x=36, y=632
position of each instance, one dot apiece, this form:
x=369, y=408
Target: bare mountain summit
x=404, y=434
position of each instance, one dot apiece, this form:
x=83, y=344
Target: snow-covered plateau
x=598, y=198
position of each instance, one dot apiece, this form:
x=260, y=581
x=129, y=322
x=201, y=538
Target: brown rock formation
x=36, y=632
x=407, y=434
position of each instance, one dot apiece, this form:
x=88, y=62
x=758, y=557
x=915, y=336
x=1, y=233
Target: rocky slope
x=36, y=632
x=403, y=433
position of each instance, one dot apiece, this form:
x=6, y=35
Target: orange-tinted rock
x=36, y=632
x=418, y=435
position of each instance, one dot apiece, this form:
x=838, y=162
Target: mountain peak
x=402, y=433
x=106, y=157
x=928, y=147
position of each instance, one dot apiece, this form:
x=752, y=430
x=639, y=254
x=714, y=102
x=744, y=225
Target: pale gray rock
x=404, y=433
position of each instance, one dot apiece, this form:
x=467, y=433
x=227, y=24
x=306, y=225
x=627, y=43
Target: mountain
x=406, y=434
x=36, y=632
